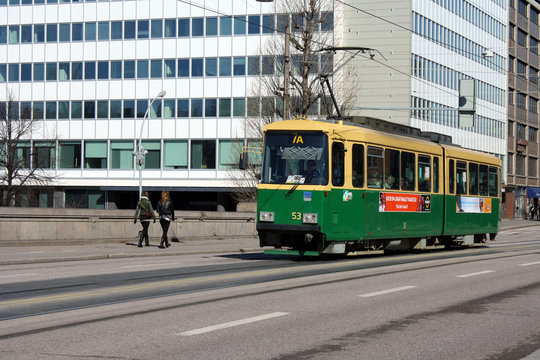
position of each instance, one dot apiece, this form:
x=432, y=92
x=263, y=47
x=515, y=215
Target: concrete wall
x=20, y=226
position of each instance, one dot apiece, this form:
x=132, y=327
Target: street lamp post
x=141, y=152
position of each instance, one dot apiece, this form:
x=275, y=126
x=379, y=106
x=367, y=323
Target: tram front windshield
x=295, y=158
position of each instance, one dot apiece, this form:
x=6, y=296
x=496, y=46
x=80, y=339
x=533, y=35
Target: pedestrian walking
x=145, y=212
x=165, y=209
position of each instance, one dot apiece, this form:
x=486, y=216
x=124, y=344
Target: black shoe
x=139, y=245
x=161, y=247
x=167, y=244
x=147, y=244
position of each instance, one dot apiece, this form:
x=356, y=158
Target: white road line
x=529, y=264
x=476, y=273
x=30, y=252
x=4, y=276
x=144, y=265
x=382, y=292
x=232, y=323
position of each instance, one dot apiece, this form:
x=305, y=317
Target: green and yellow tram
x=334, y=188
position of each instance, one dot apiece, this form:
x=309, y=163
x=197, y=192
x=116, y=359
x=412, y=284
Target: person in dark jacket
x=165, y=208
x=145, y=212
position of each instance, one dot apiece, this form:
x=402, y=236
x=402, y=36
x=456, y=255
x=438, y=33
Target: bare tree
x=19, y=175
x=308, y=26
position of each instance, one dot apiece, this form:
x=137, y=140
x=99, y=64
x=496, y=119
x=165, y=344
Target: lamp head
x=161, y=94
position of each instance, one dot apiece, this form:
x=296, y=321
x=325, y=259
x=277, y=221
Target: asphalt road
x=479, y=303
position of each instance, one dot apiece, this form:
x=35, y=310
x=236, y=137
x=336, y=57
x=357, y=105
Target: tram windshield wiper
x=289, y=193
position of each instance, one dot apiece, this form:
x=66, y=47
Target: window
x=3, y=70
x=76, y=70
x=129, y=30
x=520, y=131
x=116, y=30
x=211, y=26
x=196, y=67
x=225, y=25
x=210, y=107
x=211, y=67
x=255, y=153
x=64, y=32
x=224, y=107
x=52, y=32
x=157, y=29
x=89, y=109
x=63, y=71
x=254, y=24
x=424, y=173
x=182, y=108
x=170, y=28
x=142, y=69
x=254, y=65
x=461, y=177
x=168, y=108
x=63, y=109
x=239, y=107
x=197, y=27
x=358, y=165
x=50, y=110
x=473, y=179
x=90, y=31
x=435, y=174
x=533, y=105
x=22, y=156
x=493, y=181
x=69, y=155
x=520, y=165
x=239, y=66
x=239, y=25
x=483, y=176
x=129, y=69
x=338, y=164
x=129, y=109
x=268, y=24
x=183, y=27
x=375, y=165
x=152, y=158
x=26, y=34
x=451, y=177
x=89, y=70
x=225, y=66
x=115, y=109
x=533, y=134
x=183, y=68
x=13, y=72
x=76, y=109
x=155, y=110
x=175, y=154
x=121, y=155
x=196, y=108
x=51, y=72
x=103, y=30
x=102, y=109
x=39, y=33
x=169, y=68
x=229, y=153
x=156, y=69
x=116, y=69
x=407, y=176
x=95, y=154
x=203, y=154
x=142, y=29
x=253, y=107
x=44, y=155
x=103, y=70
x=142, y=106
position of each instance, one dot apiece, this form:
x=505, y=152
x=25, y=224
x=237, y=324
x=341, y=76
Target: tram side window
x=451, y=178
x=358, y=165
x=338, y=164
x=435, y=174
x=391, y=169
x=375, y=161
x=407, y=171
x=424, y=173
x=483, y=180
x=493, y=181
x=461, y=177
x=473, y=179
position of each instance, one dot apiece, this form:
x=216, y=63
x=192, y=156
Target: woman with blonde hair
x=165, y=209
x=144, y=208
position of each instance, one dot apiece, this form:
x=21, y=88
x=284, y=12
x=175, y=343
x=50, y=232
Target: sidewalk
x=10, y=255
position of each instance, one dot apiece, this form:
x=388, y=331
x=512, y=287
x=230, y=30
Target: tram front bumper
x=302, y=236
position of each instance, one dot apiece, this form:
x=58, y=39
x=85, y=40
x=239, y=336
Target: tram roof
x=357, y=132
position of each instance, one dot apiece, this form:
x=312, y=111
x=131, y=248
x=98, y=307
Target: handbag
x=148, y=214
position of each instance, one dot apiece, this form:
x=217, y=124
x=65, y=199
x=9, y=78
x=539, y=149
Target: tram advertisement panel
x=398, y=202
x=469, y=204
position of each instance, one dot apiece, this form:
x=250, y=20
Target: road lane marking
x=232, y=323
x=4, y=276
x=529, y=264
x=30, y=252
x=143, y=265
x=476, y=273
x=382, y=292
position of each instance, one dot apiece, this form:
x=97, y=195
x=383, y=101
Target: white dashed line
x=529, y=264
x=476, y=273
x=382, y=292
x=145, y=265
x=30, y=252
x=232, y=323
x=4, y=276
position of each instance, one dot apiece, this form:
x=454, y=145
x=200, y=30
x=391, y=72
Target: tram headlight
x=266, y=216
x=309, y=218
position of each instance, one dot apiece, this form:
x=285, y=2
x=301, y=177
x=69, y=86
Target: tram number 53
x=296, y=215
